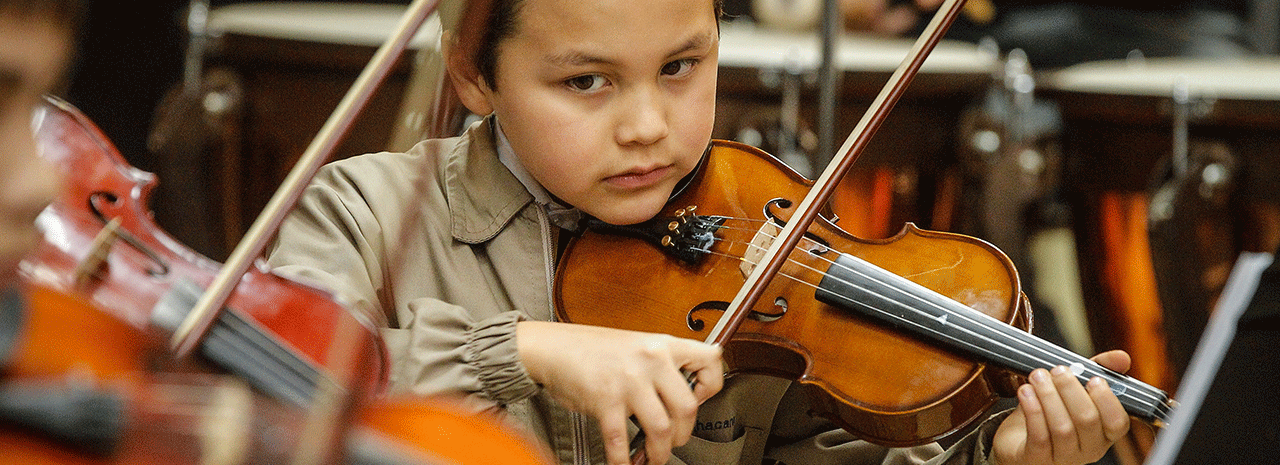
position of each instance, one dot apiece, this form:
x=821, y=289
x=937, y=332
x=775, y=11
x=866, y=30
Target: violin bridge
x=94, y=261
x=759, y=245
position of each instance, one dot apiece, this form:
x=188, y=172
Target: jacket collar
x=482, y=193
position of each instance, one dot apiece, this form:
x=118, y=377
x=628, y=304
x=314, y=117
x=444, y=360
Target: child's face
x=32, y=54
x=608, y=103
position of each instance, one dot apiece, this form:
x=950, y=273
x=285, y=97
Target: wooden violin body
x=826, y=349
x=872, y=363
x=138, y=405
x=119, y=398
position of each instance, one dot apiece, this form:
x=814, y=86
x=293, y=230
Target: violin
x=902, y=340
x=96, y=287
x=899, y=341
x=100, y=243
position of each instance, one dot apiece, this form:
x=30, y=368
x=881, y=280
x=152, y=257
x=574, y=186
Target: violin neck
x=855, y=285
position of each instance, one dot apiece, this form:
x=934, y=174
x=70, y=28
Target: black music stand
x=1230, y=393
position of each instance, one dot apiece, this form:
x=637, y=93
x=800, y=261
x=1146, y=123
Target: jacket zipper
x=581, y=453
x=580, y=450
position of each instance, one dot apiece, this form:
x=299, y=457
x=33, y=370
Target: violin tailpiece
x=686, y=237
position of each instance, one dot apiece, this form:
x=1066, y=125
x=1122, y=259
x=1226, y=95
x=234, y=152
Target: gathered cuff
x=984, y=435
x=491, y=350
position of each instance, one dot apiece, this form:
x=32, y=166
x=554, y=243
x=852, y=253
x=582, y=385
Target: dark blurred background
x=130, y=55
x=1082, y=189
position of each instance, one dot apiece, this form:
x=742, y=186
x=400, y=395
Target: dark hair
x=502, y=24
x=61, y=13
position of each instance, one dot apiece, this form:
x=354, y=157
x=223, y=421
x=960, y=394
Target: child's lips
x=639, y=178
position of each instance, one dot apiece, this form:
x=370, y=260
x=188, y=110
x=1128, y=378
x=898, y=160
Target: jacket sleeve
x=445, y=350
x=974, y=448
x=334, y=239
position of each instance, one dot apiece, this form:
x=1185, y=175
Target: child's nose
x=644, y=120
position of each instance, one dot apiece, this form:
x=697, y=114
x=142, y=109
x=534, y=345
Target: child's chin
x=624, y=220
x=627, y=216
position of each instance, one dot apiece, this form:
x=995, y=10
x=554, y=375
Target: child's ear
x=465, y=76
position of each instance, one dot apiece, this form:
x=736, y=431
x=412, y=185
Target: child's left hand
x=1060, y=421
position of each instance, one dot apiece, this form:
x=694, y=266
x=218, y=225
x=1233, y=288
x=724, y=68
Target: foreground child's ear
x=465, y=75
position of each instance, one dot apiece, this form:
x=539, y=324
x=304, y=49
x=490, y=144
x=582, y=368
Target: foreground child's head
x=35, y=42
x=608, y=103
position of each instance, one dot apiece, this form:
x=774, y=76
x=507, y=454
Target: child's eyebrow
x=695, y=42
x=578, y=58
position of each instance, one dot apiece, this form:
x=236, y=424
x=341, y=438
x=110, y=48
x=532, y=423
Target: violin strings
x=999, y=342
x=1045, y=359
x=732, y=257
x=1152, y=399
x=1041, y=353
x=832, y=263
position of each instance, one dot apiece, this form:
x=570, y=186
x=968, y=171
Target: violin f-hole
x=94, y=203
x=697, y=324
x=779, y=309
x=777, y=202
x=784, y=204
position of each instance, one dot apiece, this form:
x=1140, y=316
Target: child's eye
x=586, y=83
x=678, y=67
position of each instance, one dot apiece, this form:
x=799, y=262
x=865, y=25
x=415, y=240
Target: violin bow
x=806, y=212
x=197, y=322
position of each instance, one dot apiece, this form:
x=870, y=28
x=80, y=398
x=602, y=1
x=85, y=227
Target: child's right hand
x=613, y=374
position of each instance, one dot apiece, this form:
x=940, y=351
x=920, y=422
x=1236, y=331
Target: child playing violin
x=592, y=108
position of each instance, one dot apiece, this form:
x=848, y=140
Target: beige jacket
x=453, y=250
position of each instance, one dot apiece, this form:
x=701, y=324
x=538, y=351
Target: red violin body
x=142, y=265
x=103, y=289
